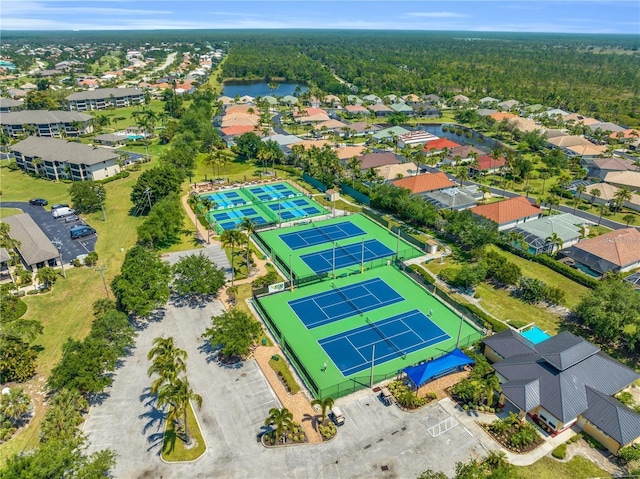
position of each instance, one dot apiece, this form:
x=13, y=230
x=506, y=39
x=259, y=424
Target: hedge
x=563, y=269
x=117, y=176
x=489, y=322
x=422, y=272
x=560, y=452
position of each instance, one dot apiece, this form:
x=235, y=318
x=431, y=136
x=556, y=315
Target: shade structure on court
x=425, y=372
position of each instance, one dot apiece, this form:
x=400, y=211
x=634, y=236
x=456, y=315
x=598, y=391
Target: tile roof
x=629, y=179
x=499, y=116
x=508, y=210
x=373, y=160
x=356, y=109
x=380, y=108
x=426, y=182
x=569, y=140
x=487, y=162
x=629, y=133
x=242, y=110
x=619, y=248
x=588, y=150
x=614, y=164
x=390, y=172
x=440, y=144
x=348, y=152
x=463, y=152
x=331, y=125
x=238, y=130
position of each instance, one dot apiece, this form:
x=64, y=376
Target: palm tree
x=231, y=238
x=15, y=405
x=462, y=173
x=326, y=404
x=602, y=209
x=168, y=362
x=621, y=196
x=544, y=177
x=629, y=219
x=491, y=385
x=177, y=394
x=249, y=227
x=484, y=189
x=552, y=199
x=595, y=193
x=354, y=165
x=555, y=241
x=281, y=418
x=580, y=190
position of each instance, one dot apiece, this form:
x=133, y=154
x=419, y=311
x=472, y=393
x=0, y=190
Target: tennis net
x=342, y=248
x=388, y=340
x=346, y=299
x=322, y=232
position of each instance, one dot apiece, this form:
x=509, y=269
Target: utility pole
x=101, y=269
x=147, y=192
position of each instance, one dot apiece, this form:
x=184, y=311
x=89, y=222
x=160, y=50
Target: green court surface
x=335, y=246
x=344, y=337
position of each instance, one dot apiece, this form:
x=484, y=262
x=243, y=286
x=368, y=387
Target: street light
x=59, y=246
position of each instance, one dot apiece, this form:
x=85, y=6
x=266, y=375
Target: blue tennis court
x=273, y=192
x=323, y=234
x=227, y=215
x=226, y=199
x=229, y=225
x=345, y=256
x=394, y=337
x=340, y=303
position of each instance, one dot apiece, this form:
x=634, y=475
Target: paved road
x=235, y=403
x=57, y=230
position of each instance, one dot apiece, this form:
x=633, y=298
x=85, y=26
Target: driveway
x=376, y=441
x=57, y=230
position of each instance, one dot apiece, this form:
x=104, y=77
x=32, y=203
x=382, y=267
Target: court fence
x=315, y=183
x=355, y=194
x=377, y=217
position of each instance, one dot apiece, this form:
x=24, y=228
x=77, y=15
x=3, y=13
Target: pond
x=478, y=140
x=260, y=88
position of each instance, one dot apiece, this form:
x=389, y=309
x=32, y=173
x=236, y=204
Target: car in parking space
x=59, y=205
x=81, y=231
x=62, y=212
x=38, y=202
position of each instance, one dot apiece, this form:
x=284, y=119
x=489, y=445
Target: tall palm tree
x=544, y=177
x=621, y=196
x=629, y=219
x=354, y=165
x=281, y=418
x=177, y=394
x=168, y=362
x=602, y=209
x=595, y=193
x=555, y=241
x=326, y=404
x=249, y=227
x=231, y=238
x=580, y=190
x=462, y=173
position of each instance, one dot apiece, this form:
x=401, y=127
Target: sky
x=572, y=16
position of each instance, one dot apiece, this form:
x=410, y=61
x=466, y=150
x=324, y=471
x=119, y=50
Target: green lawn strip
x=4, y=212
x=19, y=186
x=173, y=448
x=547, y=468
x=281, y=367
x=573, y=291
x=122, y=118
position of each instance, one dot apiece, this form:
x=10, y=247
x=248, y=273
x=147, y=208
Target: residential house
x=425, y=183
x=103, y=98
x=387, y=134
x=411, y=98
x=624, y=179
x=486, y=111
x=371, y=99
x=508, y=213
x=606, y=126
x=59, y=159
x=347, y=152
x=607, y=195
x=433, y=99
x=354, y=100
x=508, y=105
x=9, y=104
x=500, y=115
x=333, y=126
x=110, y=139
x=572, y=145
x=455, y=198
x=57, y=123
x=487, y=165
x=402, y=108
x=416, y=137
x=600, y=167
x=381, y=110
x=397, y=171
x=460, y=100
x=226, y=100
x=332, y=101
x=436, y=147
x=628, y=134
x=289, y=100
x=487, y=100
x=356, y=110
x=362, y=128
x=376, y=159
x=537, y=233
x=461, y=154
x=565, y=381
x=616, y=251
x=586, y=151
x=308, y=116
x=35, y=249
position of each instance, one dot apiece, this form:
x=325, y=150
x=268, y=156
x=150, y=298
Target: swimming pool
x=535, y=335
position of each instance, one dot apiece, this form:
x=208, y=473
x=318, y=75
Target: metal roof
x=562, y=392
x=612, y=417
x=53, y=149
x=509, y=343
x=42, y=117
x=4, y=255
x=104, y=93
x=34, y=247
x=524, y=394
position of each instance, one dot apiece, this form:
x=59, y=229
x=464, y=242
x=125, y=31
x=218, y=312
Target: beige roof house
x=608, y=194
x=618, y=250
x=347, y=152
x=393, y=172
x=626, y=179
x=35, y=248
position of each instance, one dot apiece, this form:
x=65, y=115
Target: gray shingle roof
x=612, y=417
x=42, y=117
x=10, y=102
x=104, y=93
x=52, y=149
x=35, y=247
x=562, y=392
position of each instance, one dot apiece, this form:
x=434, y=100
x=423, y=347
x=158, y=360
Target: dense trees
x=87, y=196
x=197, y=275
x=163, y=225
x=234, y=332
x=143, y=282
x=153, y=185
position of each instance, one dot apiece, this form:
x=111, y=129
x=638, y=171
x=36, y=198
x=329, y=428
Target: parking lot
x=57, y=230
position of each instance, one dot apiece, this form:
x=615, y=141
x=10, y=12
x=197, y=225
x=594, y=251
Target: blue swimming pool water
x=535, y=335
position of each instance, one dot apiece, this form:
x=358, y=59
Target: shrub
x=593, y=443
x=422, y=272
x=629, y=454
x=91, y=259
x=117, y=176
x=327, y=430
x=560, y=452
x=270, y=278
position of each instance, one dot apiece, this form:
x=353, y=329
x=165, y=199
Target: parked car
x=59, y=205
x=62, y=212
x=38, y=202
x=336, y=416
x=81, y=231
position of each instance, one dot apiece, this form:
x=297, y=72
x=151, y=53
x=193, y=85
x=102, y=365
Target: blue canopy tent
x=425, y=372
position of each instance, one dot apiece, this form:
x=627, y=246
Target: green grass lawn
x=173, y=448
x=4, y=212
x=123, y=117
x=548, y=468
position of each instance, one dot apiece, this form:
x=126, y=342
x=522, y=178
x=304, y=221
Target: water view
x=478, y=140
x=261, y=88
